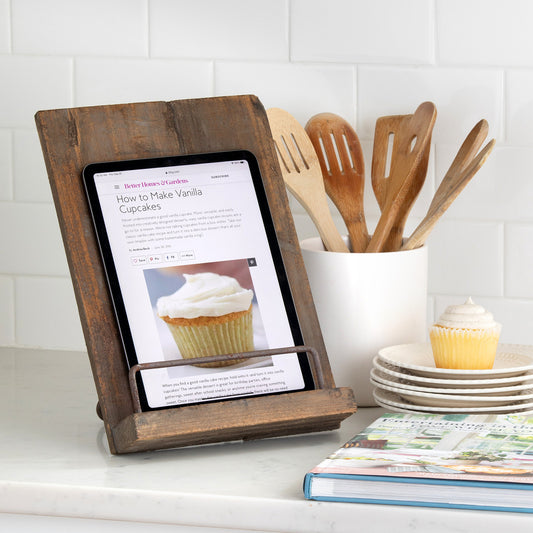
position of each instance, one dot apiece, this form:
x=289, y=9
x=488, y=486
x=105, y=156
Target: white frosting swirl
x=205, y=294
x=467, y=316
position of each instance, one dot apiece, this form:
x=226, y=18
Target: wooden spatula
x=386, y=128
x=461, y=171
x=302, y=175
x=343, y=169
x=405, y=180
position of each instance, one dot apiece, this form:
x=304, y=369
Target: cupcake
x=466, y=337
x=209, y=315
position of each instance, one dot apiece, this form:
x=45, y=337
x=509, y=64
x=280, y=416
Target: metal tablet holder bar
x=219, y=358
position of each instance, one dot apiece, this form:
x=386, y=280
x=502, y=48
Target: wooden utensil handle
x=381, y=233
x=419, y=236
x=318, y=210
x=358, y=232
x=327, y=230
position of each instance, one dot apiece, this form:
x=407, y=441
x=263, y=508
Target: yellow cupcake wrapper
x=233, y=336
x=463, y=348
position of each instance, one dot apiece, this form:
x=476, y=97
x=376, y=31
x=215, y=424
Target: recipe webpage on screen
x=166, y=224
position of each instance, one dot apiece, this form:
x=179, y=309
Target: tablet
x=194, y=269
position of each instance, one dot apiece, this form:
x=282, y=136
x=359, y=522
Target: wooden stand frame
x=73, y=138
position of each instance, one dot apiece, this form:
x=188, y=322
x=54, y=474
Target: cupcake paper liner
x=466, y=349
x=232, y=336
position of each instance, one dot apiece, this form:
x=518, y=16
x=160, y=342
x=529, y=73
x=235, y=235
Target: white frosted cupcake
x=465, y=337
x=209, y=315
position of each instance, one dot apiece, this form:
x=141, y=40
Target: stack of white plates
x=406, y=380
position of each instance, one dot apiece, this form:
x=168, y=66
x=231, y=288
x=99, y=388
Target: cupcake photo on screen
x=209, y=315
x=208, y=309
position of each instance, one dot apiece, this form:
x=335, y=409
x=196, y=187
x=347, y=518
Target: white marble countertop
x=54, y=462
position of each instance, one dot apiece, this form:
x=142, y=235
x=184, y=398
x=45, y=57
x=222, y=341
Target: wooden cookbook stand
x=72, y=138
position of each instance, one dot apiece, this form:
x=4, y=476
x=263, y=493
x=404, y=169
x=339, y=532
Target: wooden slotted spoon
x=463, y=168
x=343, y=169
x=302, y=175
x=405, y=181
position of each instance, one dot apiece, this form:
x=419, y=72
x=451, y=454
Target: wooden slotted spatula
x=387, y=128
x=343, y=169
x=405, y=180
x=463, y=168
x=302, y=175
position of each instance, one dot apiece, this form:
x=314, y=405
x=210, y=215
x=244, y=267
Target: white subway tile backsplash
x=6, y=165
x=31, y=241
x=30, y=84
x=519, y=261
x=516, y=317
x=233, y=29
x=31, y=180
x=358, y=31
x=110, y=81
x=46, y=313
x=64, y=27
x=501, y=190
x=462, y=97
x=466, y=258
x=302, y=90
x=485, y=32
x=5, y=27
x=355, y=58
x=519, y=107
x=7, y=311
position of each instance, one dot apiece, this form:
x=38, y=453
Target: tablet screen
x=194, y=269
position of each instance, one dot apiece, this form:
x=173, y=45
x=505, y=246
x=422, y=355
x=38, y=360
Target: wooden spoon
x=302, y=175
x=343, y=168
x=387, y=127
x=405, y=182
x=461, y=171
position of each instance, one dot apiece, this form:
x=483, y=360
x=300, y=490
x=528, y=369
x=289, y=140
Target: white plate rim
x=395, y=403
x=390, y=407
x=434, y=371
x=374, y=373
x=454, y=397
x=378, y=363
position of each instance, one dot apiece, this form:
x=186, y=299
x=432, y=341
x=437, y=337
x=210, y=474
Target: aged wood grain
x=73, y=138
x=250, y=418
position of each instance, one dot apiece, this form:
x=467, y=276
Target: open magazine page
x=496, y=448
x=197, y=277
